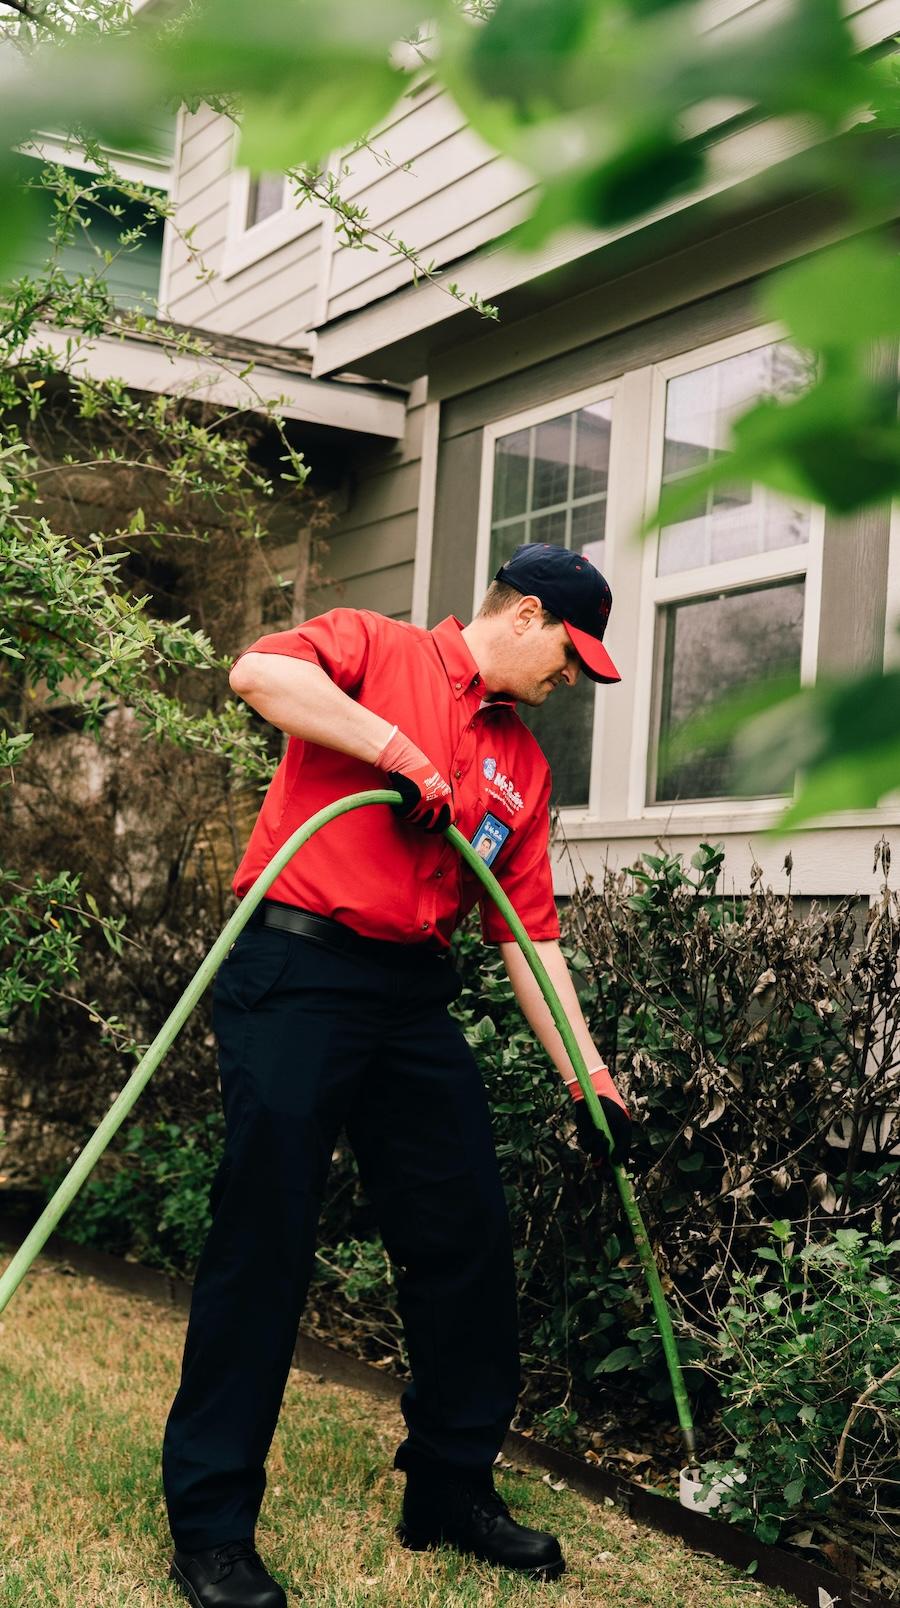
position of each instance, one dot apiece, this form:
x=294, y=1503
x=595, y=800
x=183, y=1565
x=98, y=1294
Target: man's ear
x=526, y=610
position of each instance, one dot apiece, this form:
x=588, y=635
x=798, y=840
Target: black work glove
x=592, y=1140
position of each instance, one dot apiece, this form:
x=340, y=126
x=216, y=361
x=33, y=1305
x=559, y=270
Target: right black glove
x=592, y=1140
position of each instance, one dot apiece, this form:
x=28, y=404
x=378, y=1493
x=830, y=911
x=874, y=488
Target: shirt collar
x=463, y=673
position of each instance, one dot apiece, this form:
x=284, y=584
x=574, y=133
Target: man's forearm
x=536, y=1010
x=301, y=699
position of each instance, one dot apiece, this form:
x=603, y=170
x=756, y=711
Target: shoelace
x=236, y=1552
x=491, y=1504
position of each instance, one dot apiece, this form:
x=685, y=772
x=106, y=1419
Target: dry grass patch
x=87, y=1376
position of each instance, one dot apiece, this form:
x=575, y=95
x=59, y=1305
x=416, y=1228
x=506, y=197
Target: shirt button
x=458, y=686
x=424, y=926
x=439, y=873
x=457, y=774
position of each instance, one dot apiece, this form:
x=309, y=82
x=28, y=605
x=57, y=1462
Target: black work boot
x=462, y=1510
x=231, y=1575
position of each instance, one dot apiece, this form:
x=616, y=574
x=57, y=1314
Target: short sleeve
x=340, y=641
x=527, y=881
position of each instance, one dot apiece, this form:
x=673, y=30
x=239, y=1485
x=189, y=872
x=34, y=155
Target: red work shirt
x=370, y=869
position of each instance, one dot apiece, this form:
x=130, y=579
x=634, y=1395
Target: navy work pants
x=311, y=1039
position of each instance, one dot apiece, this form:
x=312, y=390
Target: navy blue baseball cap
x=570, y=586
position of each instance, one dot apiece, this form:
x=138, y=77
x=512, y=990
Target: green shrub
x=739, y=1030
x=807, y=1359
x=150, y=1202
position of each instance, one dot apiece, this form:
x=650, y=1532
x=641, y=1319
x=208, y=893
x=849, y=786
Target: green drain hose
x=118, y=1111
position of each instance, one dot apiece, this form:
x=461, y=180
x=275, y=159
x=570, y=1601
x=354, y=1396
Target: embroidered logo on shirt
x=506, y=792
x=489, y=837
x=489, y=766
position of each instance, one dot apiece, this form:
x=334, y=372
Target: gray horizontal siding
x=273, y=298
x=371, y=548
x=599, y=360
x=445, y=206
x=388, y=591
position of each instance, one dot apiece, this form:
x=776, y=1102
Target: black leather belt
x=337, y=935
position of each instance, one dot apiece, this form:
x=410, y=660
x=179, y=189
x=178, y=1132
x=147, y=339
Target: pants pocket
x=252, y=968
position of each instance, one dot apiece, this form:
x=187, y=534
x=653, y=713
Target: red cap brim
x=595, y=660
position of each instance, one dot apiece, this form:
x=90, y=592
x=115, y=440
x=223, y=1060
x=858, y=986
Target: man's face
x=545, y=659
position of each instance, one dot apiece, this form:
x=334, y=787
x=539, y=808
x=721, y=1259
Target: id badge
x=489, y=837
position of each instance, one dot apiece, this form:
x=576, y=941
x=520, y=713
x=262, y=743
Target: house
x=618, y=359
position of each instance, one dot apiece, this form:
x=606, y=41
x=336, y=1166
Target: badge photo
x=489, y=837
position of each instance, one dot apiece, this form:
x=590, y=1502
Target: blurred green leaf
x=847, y=782
x=641, y=176
x=839, y=297
x=305, y=119
x=838, y=444
x=20, y=213
x=650, y=8
x=521, y=54
x=804, y=61
x=255, y=51
x=884, y=92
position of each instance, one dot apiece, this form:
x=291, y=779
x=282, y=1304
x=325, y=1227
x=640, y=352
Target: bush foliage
x=753, y=1039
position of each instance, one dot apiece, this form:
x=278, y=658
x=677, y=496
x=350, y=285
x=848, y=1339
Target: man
x=331, y=1011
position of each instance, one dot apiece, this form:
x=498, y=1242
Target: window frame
x=244, y=247
x=802, y=561
x=605, y=391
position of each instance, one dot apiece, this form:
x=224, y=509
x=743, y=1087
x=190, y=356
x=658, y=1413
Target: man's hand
x=427, y=799
x=592, y=1141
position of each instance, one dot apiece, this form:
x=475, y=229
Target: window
x=743, y=634
x=265, y=196
x=713, y=638
x=550, y=482
x=263, y=215
x=709, y=601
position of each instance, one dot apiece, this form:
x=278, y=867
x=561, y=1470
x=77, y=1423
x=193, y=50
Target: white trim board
x=169, y=233
x=342, y=404
x=156, y=172
x=830, y=856
x=431, y=426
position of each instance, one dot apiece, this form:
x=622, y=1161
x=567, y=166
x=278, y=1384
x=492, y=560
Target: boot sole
x=422, y=1543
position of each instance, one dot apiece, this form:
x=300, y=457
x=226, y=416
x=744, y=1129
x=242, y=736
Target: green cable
x=118, y=1111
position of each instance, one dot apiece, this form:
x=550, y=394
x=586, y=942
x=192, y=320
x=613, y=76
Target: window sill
x=253, y=245
x=758, y=816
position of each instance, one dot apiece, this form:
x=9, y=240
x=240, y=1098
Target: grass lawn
x=86, y=1379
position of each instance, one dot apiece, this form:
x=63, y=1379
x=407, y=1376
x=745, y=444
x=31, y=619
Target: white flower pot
x=690, y=1484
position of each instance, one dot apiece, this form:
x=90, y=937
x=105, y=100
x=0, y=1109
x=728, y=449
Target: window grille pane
x=549, y=528
x=505, y=542
x=550, y=471
x=741, y=519
x=264, y=197
x=552, y=462
x=511, y=474
x=563, y=727
x=550, y=484
x=588, y=521
x=712, y=646
x=591, y=450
